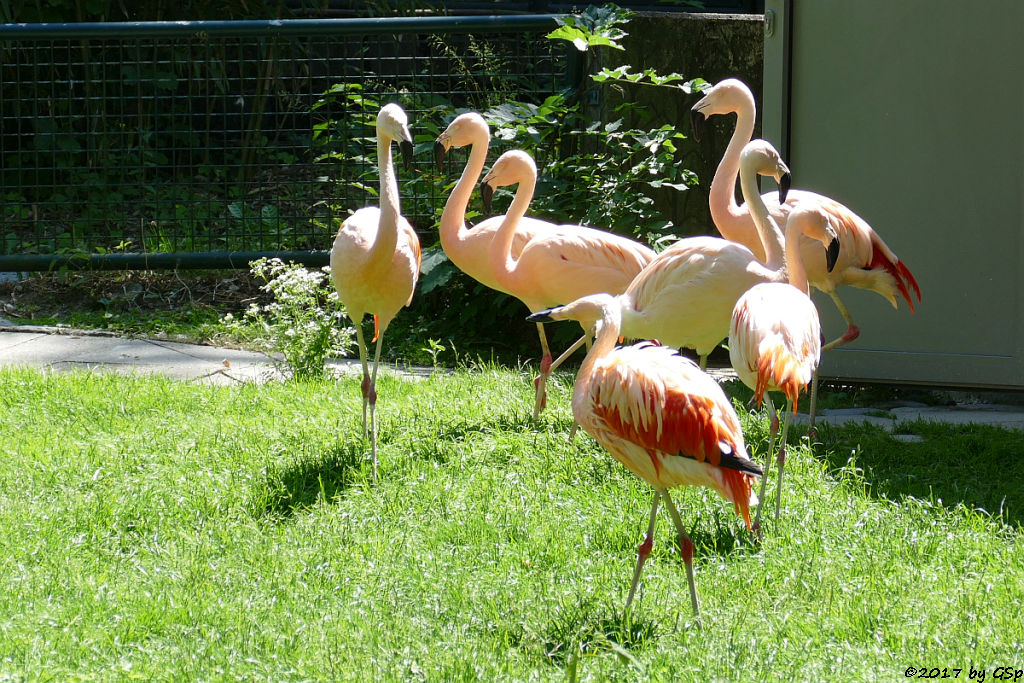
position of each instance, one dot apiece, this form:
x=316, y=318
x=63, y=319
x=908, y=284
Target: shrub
x=303, y=325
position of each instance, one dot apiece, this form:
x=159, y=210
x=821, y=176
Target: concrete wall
x=711, y=46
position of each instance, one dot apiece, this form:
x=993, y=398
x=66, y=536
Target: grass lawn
x=168, y=531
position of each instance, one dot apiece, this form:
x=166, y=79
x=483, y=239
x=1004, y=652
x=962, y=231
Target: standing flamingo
x=375, y=260
x=775, y=334
x=865, y=260
x=560, y=263
x=470, y=249
x=685, y=296
x=659, y=415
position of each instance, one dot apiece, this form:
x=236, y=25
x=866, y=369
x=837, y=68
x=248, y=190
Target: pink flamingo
x=775, y=334
x=470, y=249
x=865, y=260
x=685, y=296
x=659, y=415
x=375, y=260
x=560, y=263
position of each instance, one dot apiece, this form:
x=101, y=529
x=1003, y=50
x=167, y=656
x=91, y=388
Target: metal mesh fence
x=207, y=144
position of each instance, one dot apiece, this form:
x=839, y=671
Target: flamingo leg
x=644, y=550
x=773, y=429
x=365, y=385
x=686, y=550
x=852, y=332
x=704, y=361
x=540, y=400
x=373, y=404
x=781, y=458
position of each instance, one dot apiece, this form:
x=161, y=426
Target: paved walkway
x=63, y=349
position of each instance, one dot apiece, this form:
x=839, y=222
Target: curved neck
x=607, y=337
x=767, y=230
x=722, y=196
x=794, y=259
x=503, y=266
x=390, y=209
x=453, y=219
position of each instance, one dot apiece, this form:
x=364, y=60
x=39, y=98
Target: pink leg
x=686, y=550
x=540, y=383
x=773, y=429
x=644, y=550
x=852, y=332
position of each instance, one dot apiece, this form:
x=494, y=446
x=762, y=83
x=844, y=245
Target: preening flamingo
x=865, y=260
x=470, y=249
x=775, y=334
x=685, y=296
x=659, y=415
x=375, y=259
x=560, y=263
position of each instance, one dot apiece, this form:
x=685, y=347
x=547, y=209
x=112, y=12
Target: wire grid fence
x=209, y=144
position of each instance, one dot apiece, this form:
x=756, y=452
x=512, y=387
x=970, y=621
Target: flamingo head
x=393, y=124
x=511, y=168
x=760, y=157
x=811, y=220
x=592, y=312
x=724, y=97
x=465, y=129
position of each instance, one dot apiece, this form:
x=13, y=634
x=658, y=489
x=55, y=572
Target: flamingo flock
x=659, y=414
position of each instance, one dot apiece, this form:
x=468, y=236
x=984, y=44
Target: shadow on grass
x=304, y=483
x=978, y=466
x=585, y=628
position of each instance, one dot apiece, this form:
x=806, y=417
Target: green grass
x=169, y=531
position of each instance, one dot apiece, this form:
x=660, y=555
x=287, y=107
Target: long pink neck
x=383, y=249
x=767, y=230
x=502, y=264
x=607, y=337
x=794, y=258
x=453, y=219
x=730, y=220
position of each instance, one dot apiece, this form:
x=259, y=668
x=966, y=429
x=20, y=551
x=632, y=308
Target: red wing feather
x=900, y=273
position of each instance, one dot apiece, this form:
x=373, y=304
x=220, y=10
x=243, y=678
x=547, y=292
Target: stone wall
x=711, y=46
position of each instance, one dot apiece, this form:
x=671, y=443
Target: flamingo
x=560, y=263
x=775, y=334
x=685, y=296
x=469, y=249
x=866, y=261
x=663, y=418
x=375, y=259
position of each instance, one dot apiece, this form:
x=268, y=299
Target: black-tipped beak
x=540, y=316
x=406, y=148
x=784, y=183
x=832, y=254
x=439, y=153
x=486, y=195
x=697, y=124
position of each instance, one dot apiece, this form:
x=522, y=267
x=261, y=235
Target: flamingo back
x=685, y=297
x=775, y=340
x=865, y=260
x=668, y=422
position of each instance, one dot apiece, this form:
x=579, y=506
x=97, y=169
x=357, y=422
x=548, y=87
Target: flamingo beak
x=541, y=316
x=407, y=149
x=697, y=122
x=784, y=181
x=439, y=153
x=486, y=195
x=832, y=254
